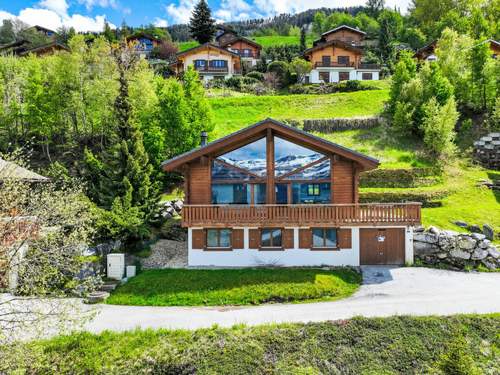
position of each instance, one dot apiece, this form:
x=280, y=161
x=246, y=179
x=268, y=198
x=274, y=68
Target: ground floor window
x=343, y=76
x=324, y=237
x=324, y=76
x=367, y=76
x=271, y=237
x=218, y=238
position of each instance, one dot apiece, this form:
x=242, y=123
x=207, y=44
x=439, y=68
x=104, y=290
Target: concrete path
x=386, y=291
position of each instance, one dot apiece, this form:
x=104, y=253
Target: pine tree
x=108, y=33
x=375, y=7
x=121, y=182
x=303, y=45
x=201, y=23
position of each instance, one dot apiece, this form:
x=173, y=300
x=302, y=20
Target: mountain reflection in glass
x=251, y=157
x=289, y=156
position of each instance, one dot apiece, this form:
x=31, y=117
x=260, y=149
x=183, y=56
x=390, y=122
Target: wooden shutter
x=305, y=238
x=237, y=240
x=344, y=237
x=288, y=238
x=254, y=240
x=199, y=238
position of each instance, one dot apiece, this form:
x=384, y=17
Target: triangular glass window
x=318, y=171
x=289, y=156
x=251, y=157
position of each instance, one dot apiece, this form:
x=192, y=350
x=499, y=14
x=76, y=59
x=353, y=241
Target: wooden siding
x=199, y=238
x=200, y=191
x=344, y=238
x=305, y=238
x=237, y=239
x=389, y=251
x=336, y=215
x=288, y=238
x=254, y=238
x=344, y=35
x=316, y=56
x=343, y=182
x=241, y=45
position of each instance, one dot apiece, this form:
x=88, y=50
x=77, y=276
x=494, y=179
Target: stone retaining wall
x=336, y=124
x=457, y=250
x=487, y=151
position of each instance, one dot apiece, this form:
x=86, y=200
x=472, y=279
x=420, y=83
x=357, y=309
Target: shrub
x=438, y=127
x=233, y=82
x=256, y=75
x=457, y=360
x=249, y=80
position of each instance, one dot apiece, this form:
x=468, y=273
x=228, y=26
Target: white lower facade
x=334, y=75
x=288, y=257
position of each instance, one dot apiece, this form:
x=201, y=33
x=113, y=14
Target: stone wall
x=456, y=250
x=336, y=124
x=487, y=151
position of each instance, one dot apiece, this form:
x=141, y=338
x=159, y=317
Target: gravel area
x=167, y=254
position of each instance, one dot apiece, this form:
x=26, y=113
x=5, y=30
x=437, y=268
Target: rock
x=450, y=233
x=178, y=204
x=434, y=230
x=461, y=224
x=97, y=297
x=488, y=232
x=425, y=237
x=442, y=255
x=493, y=251
x=478, y=236
x=419, y=229
x=475, y=228
x=488, y=264
x=484, y=244
x=459, y=254
x=424, y=248
x=466, y=243
x=479, y=254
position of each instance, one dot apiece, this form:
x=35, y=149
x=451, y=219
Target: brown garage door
x=382, y=245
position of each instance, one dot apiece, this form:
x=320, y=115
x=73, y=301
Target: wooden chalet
x=247, y=49
x=24, y=48
x=274, y=194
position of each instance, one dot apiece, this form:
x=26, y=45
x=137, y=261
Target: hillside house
x=271, y=194
x=210, y=60
x=43, y=31
x=247, y=49
x=24, y=47
x=337, y=56
x=143, y=44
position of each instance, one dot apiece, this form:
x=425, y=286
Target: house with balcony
x=210, y=60
x=143, y=44
x=271, y=194
x=247, y=49
x=338, y=56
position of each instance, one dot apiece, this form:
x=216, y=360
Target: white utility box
x=130, y=271
x=116, y=266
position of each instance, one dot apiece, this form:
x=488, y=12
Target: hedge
x=428, y=198
x=400, y=178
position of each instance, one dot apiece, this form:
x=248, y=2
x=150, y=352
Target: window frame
x=367, y=79
x=316, y=190
x=218, y=247
x=343, y=79
x=324, y=229
x=272, y=247
x=320, y=74
x=344, y=60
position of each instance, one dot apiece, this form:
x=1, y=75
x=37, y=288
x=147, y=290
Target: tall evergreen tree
x=375, y=7
x=201, y=23
x=121, y=179
x=303, y=45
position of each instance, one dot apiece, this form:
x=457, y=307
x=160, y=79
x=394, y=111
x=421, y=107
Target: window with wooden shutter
x=344, y=238
x=218, y=238
x=324, y=238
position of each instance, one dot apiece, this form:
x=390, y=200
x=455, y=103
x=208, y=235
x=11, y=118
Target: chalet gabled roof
x=337, y=43
x=12, y=171
x=209, y=45
x=242, y=38
x=343, y=27
x=51, y=45
x=256, y=131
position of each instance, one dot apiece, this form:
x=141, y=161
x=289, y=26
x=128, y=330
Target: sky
x=89, y=15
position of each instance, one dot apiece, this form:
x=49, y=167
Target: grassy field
x=233, y=113
x=396, y=345
x=178, y=287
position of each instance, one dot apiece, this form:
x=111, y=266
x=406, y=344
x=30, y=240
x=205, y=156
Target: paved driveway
x=385, y=291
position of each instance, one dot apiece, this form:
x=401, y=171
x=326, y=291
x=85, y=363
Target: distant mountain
x=180, y=32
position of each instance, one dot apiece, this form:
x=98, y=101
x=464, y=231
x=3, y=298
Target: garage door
x=382, y=245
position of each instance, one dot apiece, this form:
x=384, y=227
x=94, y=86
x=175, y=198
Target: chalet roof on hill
x=344, y=27
x=242, y=38
x=9, y=170
x=338, y=43
x=209, y=45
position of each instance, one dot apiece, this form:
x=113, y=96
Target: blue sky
x=89, y=15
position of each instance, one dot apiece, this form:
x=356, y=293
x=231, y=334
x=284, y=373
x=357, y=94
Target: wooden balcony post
x=271, y=194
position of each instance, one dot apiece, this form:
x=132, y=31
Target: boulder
x=97, y=297
x=419, y=229
x=424, y=248
x=488, y=232
x=442, y=255
x=434, y=230
x=493, y=252
x=425, y=237
x=466, y=243
x=488, y=264
x=478, y=236
x=461, y=224
x=479, y=254
x=475, y=228
x=459, y=254
x=484, y=244
x=178, y=204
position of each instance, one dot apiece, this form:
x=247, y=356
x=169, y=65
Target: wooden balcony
x=333, y=64
x=369, y=66
x=301, y=215
x=212, y=69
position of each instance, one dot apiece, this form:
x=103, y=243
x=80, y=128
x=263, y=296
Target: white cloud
x=181, y=13
x=6, y=15
x=58, y=6
x=89, y=4
x=233, y=10
x=160, y=22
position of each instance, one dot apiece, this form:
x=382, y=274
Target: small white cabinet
x=116, y=266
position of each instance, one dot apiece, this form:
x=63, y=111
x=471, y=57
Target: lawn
x=179, y=287
x=395, y=345
x=233, y=113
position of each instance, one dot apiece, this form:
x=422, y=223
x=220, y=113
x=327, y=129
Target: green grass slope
x=233, y=113
x=396, y=345
x=179, y=287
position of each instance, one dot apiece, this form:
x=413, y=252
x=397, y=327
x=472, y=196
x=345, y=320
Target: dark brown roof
x=208, y=44
x=242, y=38
x=337, y=43
x=48, y=46
x=344, y=27
x=253, y=132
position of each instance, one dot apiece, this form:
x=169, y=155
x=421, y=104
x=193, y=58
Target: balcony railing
x=368, y=66
x=333, y=64
x=212, y=69
x=301, y=215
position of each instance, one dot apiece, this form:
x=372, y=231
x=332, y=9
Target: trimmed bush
x=259, y=76
x=399, y=178
x=428, y=198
